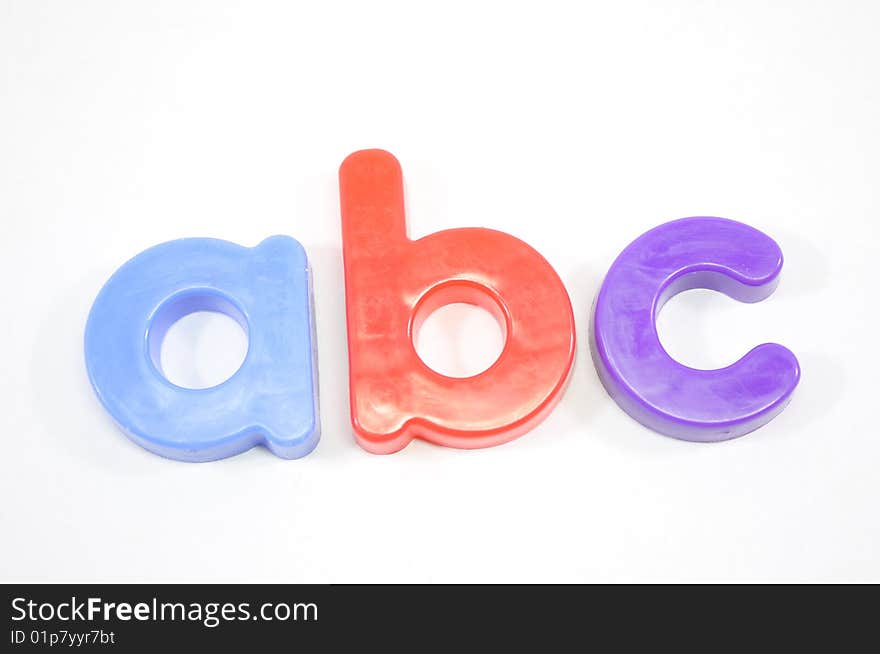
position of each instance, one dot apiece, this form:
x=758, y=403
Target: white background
x=575, y=126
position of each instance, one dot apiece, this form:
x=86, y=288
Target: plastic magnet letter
x=392, y=284
x=270, y=400
x=694, y=405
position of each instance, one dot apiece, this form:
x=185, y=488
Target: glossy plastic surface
x=393, y=283
x=673, y=399
x=270, y=400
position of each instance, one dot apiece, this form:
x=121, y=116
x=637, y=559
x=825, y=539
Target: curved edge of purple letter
x=662, y=394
